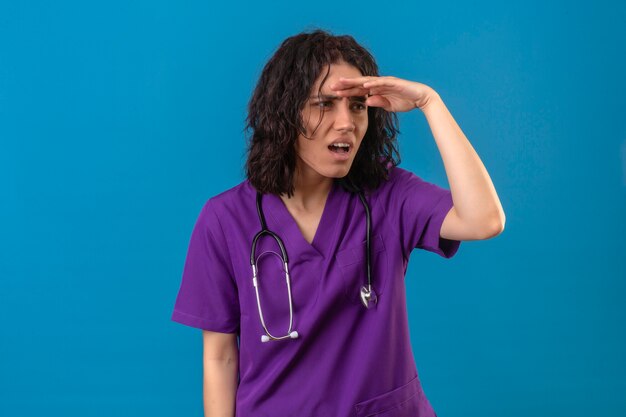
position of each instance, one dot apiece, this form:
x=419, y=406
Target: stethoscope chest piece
x=368, y=295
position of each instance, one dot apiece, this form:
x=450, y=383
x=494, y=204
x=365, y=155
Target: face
x=343, y=119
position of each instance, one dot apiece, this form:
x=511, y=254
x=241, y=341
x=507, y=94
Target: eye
x=325, y=104
x=359, y=106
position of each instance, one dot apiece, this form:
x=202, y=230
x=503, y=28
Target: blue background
x=119, y=119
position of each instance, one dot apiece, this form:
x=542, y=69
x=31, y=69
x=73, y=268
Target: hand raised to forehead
x=391, y=93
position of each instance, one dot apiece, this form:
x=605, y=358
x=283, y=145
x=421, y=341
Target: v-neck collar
x=287, y=228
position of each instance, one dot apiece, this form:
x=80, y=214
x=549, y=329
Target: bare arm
x=221, y=369
x=477, y=211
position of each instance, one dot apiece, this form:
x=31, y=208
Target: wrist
x=431, y=98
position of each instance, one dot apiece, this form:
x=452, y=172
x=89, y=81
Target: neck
x=310, y=190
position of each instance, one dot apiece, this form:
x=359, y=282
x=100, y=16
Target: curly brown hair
x=274, y=114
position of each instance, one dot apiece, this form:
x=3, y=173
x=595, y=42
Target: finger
x=355, y=91
x=379, y=91
x=378, y=101
x=350, y=81
x=380, y=82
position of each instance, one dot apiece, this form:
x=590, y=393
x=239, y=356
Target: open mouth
x=340, y=149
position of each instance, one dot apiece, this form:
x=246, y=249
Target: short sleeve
x=417, y=209
x=208, y=296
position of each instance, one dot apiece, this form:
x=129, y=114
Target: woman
x=330, y=338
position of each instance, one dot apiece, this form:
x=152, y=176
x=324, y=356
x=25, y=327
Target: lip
x=348, y=141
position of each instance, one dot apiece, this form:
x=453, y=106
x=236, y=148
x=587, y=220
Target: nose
x=344, y=119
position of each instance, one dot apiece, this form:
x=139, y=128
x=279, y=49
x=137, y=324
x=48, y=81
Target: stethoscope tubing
x=366, y=294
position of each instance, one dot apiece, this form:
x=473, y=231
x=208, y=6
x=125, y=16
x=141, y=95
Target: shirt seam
x=435, y=206
x=389, y=224
x=232, y=267
x=202, y=322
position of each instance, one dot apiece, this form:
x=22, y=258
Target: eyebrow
x=360, y=99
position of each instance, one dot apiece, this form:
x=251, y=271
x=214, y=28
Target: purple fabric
x=348, y=360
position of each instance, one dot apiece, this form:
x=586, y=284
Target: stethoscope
x=367, y=293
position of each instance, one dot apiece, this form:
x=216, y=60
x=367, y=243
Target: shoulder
x=221, y=208
x=405, y=189
x=230, y=198
x=399, y=179
x=399, y=175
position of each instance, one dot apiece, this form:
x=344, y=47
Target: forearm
x=474, y=195
x=220, y=386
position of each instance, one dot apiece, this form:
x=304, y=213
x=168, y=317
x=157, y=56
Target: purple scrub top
x=347, y=360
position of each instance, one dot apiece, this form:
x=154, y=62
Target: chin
x=338, y=172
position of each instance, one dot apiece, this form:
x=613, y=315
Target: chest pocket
x=352, y=262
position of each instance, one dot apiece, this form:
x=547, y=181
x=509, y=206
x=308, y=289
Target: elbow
x=488, y=228
x=494, y=227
